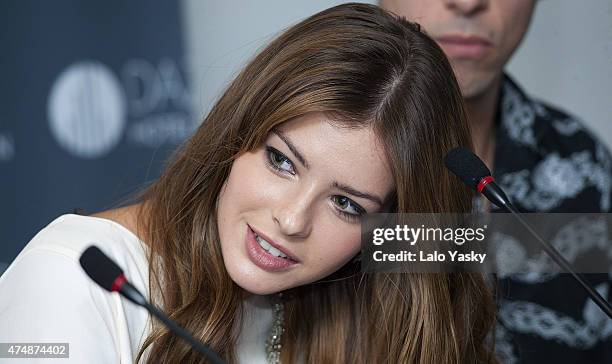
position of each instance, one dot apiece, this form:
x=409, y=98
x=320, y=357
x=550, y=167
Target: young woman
x=250, y=239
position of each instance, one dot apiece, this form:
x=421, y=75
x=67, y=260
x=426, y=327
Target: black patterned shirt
x=547, y=161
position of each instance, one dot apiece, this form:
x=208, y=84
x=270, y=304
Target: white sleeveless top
x=46, y=297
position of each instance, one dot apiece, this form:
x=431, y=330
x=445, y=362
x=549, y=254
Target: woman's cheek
x=339, y=246
x=262, y=186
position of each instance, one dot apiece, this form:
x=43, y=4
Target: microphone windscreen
x=467, y=166
x=99, y=267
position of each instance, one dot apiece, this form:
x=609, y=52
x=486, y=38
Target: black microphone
x=103, y=270
x=472, y=171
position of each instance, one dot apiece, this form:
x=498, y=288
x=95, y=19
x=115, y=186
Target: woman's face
x=304, y=192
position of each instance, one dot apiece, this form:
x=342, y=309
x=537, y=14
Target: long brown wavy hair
x=366, y=68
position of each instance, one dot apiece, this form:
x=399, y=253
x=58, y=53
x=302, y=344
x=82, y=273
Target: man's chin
x=474, y=87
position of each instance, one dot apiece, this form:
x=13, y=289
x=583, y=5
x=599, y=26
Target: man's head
x=478, y=36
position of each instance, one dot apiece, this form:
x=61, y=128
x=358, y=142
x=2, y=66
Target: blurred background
x=96, y=95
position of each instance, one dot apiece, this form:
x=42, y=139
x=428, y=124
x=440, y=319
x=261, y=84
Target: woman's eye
x=348, y=208
x=278, y=161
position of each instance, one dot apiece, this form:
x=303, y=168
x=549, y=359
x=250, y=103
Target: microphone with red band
x=102, y=270
x=472, y=171
x=118, y=283
x=483, y=183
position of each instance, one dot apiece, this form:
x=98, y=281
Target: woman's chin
x=255, y=282
x=258, y=288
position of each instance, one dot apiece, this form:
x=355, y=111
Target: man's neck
x=481, y=111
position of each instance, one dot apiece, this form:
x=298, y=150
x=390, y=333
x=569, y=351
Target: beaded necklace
x=273, y=343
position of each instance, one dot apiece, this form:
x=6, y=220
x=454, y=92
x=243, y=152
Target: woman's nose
x=293, y=214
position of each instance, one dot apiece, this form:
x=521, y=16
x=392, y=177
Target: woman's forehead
x=354, y=156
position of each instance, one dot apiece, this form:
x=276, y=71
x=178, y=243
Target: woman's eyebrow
x=348, y=189
x=292, y=148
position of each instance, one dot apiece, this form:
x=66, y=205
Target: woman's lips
x=285, y=251
x=262, y=258
x=471, y=47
